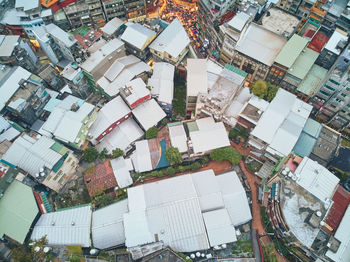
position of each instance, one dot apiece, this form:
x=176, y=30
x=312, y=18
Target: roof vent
x=73, y=223
x=52, y=223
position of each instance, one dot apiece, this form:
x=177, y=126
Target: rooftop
x=316, y=179
x=121, y=136
x=112, y=26
x=332, y=44
x=260, y=44
x=27, y=4
x=121, y=170
x=134, y=91
x=303, y=63
x=61, y=35
x=239, y=21
x=18, y=209
x=312, y=81
x=137, y=35
x=162, y=82
x=148, y=114
x=8, y=44
x=99, y=178
x=280, y=22
x=173, y=40
x=70, y=226
x=318, y=41
x=196, y=77
x=291, y=51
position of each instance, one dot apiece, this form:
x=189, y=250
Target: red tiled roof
x=341, y=199
x=309, y=33
x=99, y=178
x=226, y=17
x=318, y=42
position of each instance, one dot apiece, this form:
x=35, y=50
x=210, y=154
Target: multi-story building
x=254, y=54
x=76, y=81
x=333, y=99
x=114, y=8
x=137, y=38
x=96, y=12
x=135, y=10
x=78, y=14
x=22, y=95
x=171, y=45
x=290, y=6
x=60, y=47
x=17, y=51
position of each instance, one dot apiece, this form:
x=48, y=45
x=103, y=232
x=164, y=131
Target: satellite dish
x=198, y=254
x=37, y=249
x=46, y=249
x=93, y=251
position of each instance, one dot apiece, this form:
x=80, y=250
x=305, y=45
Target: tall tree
x=173, y=155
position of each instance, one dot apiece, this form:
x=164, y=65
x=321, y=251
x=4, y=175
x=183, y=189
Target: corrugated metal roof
x=137, y=35
x=162, y=82
x=178, y=137
x=313, y=80
x=18, y=210
x=148, y=114
x=196, y=77
x=112, y=26
x=173, y=40
x=67, y=227
x=121, y=172
x=4, y=124
x=9, y=134
x=107, y=225
x=291, y=51
x=141, y=157
x=8, y=45
x=219, y=227
x=303, y=63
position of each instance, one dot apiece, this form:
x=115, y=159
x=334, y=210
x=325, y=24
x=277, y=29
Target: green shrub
x=170, y=171
x=90, y=154
x=164, y=122
x=117, y=153
x=226, y=153
x=173, y=155
x=195, y=166
x=152, y=132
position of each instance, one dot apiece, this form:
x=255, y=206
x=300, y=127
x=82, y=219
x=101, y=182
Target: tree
x=164, y=122
x=271, y=92
x=170, y=171
x=90, y=154
x=226, y=153
x=21, y=254
x=259, y=88
x=103, y=154
x=173, y=155
x=195, y=166
x=152, y=132
x=117, y=153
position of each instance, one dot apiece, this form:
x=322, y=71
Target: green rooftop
x=18, y=210
x=236, y=70
x=303, y=63
x=82, y=31
x=192, y=126
x=291, y=51
x=309, y=86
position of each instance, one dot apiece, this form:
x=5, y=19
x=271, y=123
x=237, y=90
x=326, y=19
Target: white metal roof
x=197, y=81
x=239, y=21
x=101, y=53
x=32, y=154
x=162, y=82
x=110, y=113
x=173, y=209
x=260, y=44
x=141, y=157
x=61, y=35
x=206, y=139
x=235, y=198
x=8, y=44
x=148, y=114
x=137, y=35
x=11, y=85
x=121, y=172
x=137, y=90
x=173, y=40
x=282, y=122
x=66, y=227
x=178, y=137
x=4, y=124
x=117, y=67
x=112, y=26
x=9, y=134
x=316, y=179
x=27, y=4
x=107, y=227
x=343, y=235
x=334, y=40
x=219, y=227
x=122, y=136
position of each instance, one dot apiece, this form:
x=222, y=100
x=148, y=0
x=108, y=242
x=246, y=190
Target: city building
x=280, y=125
x=114, y=9
x=75, y=79
x=18, y=208
x=198, y=137
x=23, y=95
x=113, y=27
x=86, y=36
x=16, y=51
x=137, y=38
x=332, y=99
x=110, y=116
x=71, y=226
x=69, y=121
x=256, y=51
x=148, y=114
x=162, y=85
x=101, y=56
x=135, y=10
x=197, y=83
x=47, y=161
x=171, y=45
x=135, y=93
x=60, y=47
x=120, y=73
x=202, y=223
